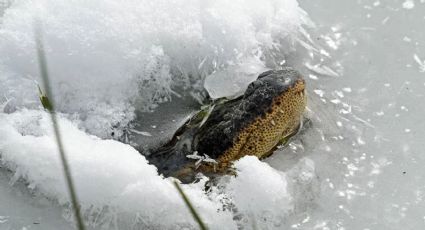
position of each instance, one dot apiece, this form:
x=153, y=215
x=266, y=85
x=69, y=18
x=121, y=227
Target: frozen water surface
x=134, y=71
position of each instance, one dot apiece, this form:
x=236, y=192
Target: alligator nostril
x=300, y=85
x=301, y=81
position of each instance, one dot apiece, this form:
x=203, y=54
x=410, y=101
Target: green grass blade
x=195, y=215
x=47, y=102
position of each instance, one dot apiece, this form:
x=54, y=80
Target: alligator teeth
x=273, y=123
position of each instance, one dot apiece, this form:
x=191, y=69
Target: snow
x=263, y=202
x=108, y=58
x=107, y=174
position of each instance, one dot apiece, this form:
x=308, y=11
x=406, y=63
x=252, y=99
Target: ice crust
x=107, y=58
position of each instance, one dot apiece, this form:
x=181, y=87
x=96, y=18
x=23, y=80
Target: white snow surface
x=107, y=58
x=263, y=202
x=107, y=174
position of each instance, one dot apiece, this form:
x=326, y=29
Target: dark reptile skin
x=224, y=124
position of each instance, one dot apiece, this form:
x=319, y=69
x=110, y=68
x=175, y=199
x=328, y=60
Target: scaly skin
x=254, y=124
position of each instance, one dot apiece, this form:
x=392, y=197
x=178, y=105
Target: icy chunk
x=260, y=193
x=420, y=63
x=233, y=80
x=408, y=4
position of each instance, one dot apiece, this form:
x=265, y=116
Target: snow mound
x=108, y=58
x=112, y=179
x=260, y=194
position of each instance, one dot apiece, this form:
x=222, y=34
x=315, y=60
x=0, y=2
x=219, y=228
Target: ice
x=20, y=208
x=420, y=63
x=322, y=70
x=112, y=179
x=234, y=80
x=107, y=58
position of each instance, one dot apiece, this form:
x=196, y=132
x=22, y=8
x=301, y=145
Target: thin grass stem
x=48, y=103
x=194, y=213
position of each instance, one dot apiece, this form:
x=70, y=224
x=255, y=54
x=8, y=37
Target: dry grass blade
x=47, y=101
x=190, y=206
